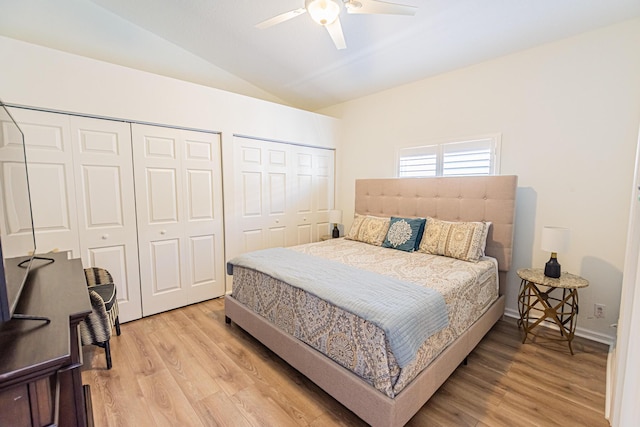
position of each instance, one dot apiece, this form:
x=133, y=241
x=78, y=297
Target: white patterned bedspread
x=468, y=290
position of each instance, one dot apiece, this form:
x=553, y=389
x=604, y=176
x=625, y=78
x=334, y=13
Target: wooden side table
x=536, y=305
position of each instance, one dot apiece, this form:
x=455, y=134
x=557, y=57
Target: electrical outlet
x=598, y=311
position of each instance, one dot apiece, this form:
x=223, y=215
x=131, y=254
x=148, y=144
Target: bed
x=367, y=377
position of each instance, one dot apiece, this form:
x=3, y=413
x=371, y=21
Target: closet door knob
x=163, y=232
x=105, y=236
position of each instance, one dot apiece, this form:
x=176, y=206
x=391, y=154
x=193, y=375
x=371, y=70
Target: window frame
x=439, y=148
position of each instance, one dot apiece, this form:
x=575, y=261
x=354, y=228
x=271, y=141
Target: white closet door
x=179, y=209
x=314, y=193
x=203, y=215
x=324, y=190
x=106, y=205
x=51, y=179
x=262, y=183
x=281, y=195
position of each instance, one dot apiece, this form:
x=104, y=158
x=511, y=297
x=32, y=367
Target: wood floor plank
x=218, y=410
x=552, y=408
x=440, y=413
x=141, y=355
x=262, y=409
x=337, y=420
x=471, y=394
x=204, y=348
x=193, y=378
x=108, y=387
x=169, y=407
x=187, y=367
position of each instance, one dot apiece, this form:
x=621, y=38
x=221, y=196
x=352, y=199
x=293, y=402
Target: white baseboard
x=580, y=332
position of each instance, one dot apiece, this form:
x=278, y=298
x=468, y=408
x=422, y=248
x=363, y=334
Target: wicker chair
x=96, y=328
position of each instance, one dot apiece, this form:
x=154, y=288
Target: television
x=17, y=235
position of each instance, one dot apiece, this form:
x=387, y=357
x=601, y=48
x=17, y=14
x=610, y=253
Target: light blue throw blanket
x=407, y=313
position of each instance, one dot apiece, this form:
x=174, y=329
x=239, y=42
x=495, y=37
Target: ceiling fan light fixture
x=324, y=12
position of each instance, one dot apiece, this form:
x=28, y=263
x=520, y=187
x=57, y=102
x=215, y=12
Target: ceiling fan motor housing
x=324, y=12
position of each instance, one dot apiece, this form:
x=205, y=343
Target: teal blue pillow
x=404, y=233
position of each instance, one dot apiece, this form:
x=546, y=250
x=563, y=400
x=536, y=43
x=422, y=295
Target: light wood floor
x=187, y=367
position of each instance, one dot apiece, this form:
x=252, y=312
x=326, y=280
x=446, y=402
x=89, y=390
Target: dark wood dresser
x=40, y=378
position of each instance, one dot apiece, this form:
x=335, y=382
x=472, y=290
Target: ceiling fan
x=325, y=13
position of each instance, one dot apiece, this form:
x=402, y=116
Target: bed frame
x=489, y=198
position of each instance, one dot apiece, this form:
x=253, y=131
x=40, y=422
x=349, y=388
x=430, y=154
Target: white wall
x=87, y=29
x=568, y=113
x=32, y=75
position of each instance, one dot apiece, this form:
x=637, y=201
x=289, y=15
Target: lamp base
x=552, y=268
x=336, y=232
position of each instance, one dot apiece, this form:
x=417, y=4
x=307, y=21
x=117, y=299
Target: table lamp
x=554, y=240
x=335, y=216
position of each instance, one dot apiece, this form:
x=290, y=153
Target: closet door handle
x=163, y=232
x=105, y=236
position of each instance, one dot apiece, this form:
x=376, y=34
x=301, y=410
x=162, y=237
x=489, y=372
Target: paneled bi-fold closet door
x=313, y=172
x=51, y=179
x=282, y=195
x=179, y=208
x=261, y=195
x=106, y=205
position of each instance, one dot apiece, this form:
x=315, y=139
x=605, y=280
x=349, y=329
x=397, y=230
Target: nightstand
x=536, y=304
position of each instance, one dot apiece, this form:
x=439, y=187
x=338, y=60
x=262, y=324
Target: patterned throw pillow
x=404, y=233
x=373, y=230
x=461, y=240
x=368, y=229
x=355, y=226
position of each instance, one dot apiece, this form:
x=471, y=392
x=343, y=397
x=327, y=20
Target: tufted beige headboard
x=486, y=198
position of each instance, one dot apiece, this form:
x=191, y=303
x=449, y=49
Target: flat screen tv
x=17, y=237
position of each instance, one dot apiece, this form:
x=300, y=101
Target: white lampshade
x=324, y=12
x=335, y=216
x=555, y=239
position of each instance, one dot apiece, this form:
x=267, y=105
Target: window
x=473, y=156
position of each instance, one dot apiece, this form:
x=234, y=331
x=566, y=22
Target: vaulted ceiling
x=215, y=42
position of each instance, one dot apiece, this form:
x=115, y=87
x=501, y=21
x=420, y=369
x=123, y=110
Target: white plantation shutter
x=470, y=157
x=467, y=158
x=418, y=161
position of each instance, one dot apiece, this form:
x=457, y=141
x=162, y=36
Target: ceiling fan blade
x=379, y=7
x=280, y=18
x=335, y=31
